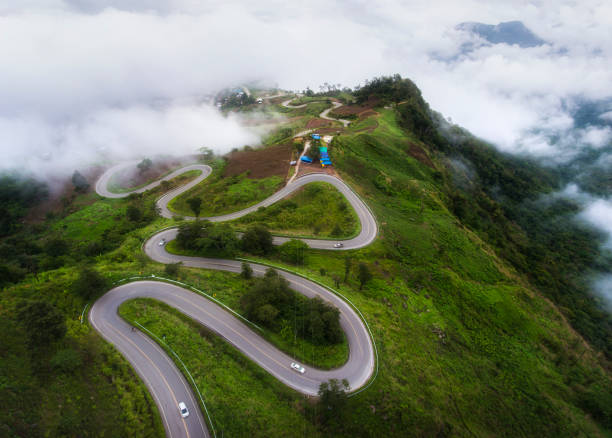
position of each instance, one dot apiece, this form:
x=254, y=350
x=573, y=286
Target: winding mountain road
x=166, y=383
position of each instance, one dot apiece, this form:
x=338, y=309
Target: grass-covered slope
x=468, y=344
x=317, y=209
x=225, y=195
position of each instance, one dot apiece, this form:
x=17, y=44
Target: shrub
x=89, y=283
x=173, y=269
x=293, y=251
x=66, y=361
x=337, y=230
x=133, y=213
x=363, y=274
x=257, y=240
x=246, y=271
x=144, y=165
x=79, y=182
x=44, y=324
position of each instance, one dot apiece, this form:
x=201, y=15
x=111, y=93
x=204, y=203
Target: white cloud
x=66, y=60
x=599, y=213
x=117, y=133
x=595, y=136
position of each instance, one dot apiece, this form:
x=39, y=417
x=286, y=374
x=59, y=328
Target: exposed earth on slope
x=260, y=163
x=358, y=110
x=317, y=123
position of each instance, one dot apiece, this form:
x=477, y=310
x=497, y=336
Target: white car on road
x=338, y=245
x=183, y=409
x=162, y=242
x=297, y=367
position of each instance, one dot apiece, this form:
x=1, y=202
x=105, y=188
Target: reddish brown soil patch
x=367, y=113
x=260, y=163
x=277, y=100
x=306, y=168
x=348, y=110
x=328, y=131
x=317, y=123
x=419, y=154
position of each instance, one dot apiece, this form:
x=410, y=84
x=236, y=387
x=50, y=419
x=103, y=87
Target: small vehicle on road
x=297, y=367
x=338, y=245
x=162, y=242
x=183, y=409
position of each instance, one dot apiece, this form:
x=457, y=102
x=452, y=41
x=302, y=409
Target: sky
x=87, y=80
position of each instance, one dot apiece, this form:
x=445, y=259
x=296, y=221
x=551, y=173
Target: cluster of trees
x=236, y=100
x=208, y=238
x=271, y=302
x=219, y=239
x=31, y=248
x=388, y=88
x=144, y=165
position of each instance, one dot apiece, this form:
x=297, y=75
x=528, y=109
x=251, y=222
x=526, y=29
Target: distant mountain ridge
x=510, y=32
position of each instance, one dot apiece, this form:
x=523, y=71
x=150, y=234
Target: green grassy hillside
x=317, y=209
x=476, y=334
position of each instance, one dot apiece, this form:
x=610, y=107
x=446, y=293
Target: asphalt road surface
x=165, y=382
x=102, y=183
x=324, y=114
x=369, y=228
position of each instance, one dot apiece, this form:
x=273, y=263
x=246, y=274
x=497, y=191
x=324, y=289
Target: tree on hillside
x=246, y=271
x=293, y=252
x=347, y=267
x=56, y=247
x=207, y=237
x=337, y=230
x=79, y=182
x=333, y=399
x=133, y=213
x=173, y=269
x=363, y=274
x=144, y=165
x=257, y=240
x=43, y=323
x=270, y=301
x=392, y=88
x=314, y=152
x=273, y=292
x=89, y=283
x=207, y=154
x=336, y=279
x=195, y=205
